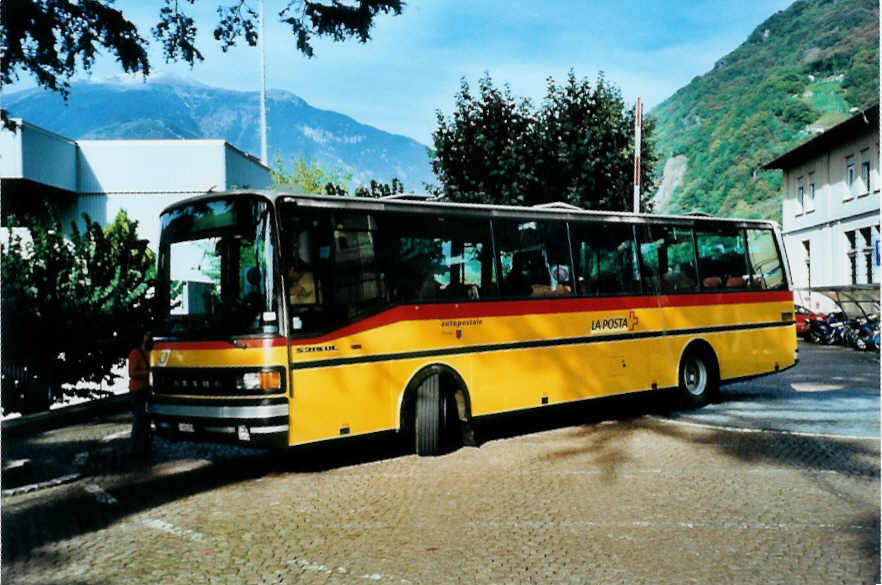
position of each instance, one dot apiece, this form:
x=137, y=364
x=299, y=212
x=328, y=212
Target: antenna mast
x=261, y=47
x=638, y=130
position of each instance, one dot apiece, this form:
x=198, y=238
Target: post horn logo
x=633, y=319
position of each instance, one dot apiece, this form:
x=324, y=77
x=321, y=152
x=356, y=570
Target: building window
x=810, y=195
x=851, y=252
x=867, y=253
x=849, y=177
x=800, y=195
x=807, y=250
x=865, y=170
x=873, y=267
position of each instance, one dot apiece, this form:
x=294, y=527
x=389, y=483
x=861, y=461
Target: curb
x=53, y=419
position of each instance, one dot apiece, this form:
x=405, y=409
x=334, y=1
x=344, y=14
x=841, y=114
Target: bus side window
x=722, y=258
x=306, y=270
x=428, y=258
x=605, y=256
x=766, y=271
x=358, y=285
x=668, y=258
x=534, y=258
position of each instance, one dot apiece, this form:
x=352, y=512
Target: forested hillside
x=799, y=72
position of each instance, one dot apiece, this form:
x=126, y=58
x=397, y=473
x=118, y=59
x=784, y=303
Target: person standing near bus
x=139, y=374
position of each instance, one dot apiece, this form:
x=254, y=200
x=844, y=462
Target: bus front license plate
x=186, y=427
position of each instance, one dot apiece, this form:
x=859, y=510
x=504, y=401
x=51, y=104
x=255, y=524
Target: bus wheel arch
x=698, y=374
x=442, y=386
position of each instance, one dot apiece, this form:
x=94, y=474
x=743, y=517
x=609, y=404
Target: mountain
x=799, y=73
x=169, y=107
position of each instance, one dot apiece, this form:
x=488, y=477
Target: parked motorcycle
x=836, y=324
x=816, y=330
x=858, y=332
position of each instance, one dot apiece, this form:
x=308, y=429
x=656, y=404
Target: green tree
x=585, y=154
x=376, y=190
x=73, y=308
x=314, y=179
x=51, y=39
x=309, y=177
x=578, y=147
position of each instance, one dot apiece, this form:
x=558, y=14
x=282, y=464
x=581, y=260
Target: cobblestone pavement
x=833, y=390
x=605, y=495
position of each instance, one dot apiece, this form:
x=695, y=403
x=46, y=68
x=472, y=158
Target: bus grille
x=209, y=382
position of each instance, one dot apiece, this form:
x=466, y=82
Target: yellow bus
x=292, y=319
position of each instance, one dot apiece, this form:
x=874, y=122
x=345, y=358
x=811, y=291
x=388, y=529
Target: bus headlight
x=251, y=381
x=269, y=380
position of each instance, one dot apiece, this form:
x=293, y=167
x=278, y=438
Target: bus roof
x=420, y=204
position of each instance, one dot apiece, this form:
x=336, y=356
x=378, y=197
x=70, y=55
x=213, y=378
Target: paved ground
x=832, y=391
x=622, y=492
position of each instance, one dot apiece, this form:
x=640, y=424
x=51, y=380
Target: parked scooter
x=863, y=331
x=836, y=329
x=817, y=329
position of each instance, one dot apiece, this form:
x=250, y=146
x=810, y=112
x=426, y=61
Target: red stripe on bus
x=260, y=342
x=471, y=310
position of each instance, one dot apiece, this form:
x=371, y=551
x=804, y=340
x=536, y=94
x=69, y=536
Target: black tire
x=698, y=378
x=430, y=417
x=814, y=337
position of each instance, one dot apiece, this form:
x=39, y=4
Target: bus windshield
x=216, y=274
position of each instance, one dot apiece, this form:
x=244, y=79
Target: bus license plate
x=186, y=427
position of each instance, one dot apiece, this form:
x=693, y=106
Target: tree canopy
x=577, y=147
x=314, y=179
x=52, y=39
x=73, y=308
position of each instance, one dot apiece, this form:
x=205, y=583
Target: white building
x=831, y=207
x=101, y=177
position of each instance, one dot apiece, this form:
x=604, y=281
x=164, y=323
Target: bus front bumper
x=260, y=425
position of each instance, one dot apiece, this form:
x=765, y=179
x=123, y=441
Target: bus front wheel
x=698, y=378
x=432, y=414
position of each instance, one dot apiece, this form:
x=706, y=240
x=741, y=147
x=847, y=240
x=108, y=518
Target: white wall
x=32, y=153
x=837, y=210
x=244, y=171
x=141, y=176
x=125, y=166
x=145, y=176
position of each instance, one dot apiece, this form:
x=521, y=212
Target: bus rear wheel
x=435, y=413
x=698, y=378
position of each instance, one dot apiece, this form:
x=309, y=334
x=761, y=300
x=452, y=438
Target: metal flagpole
x=261, y=47
x=638, y=127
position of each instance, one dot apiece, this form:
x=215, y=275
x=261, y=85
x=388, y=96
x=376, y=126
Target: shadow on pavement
x=75, y=509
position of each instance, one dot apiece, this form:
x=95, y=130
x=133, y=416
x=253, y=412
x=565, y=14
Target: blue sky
x=413, y=65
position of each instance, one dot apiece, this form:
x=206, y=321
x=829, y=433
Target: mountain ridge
x=171, y=107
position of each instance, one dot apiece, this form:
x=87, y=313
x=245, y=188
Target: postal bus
x=291, y=319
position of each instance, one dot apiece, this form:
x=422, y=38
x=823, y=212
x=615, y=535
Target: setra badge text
x=316, y=348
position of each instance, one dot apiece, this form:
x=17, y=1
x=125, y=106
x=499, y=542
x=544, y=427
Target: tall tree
x=52, y=39
x=483, y=152
x=72, y=308
x=578, y=147
x=309, y=177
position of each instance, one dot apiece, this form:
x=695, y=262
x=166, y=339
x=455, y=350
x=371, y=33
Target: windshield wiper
x=237, y=343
